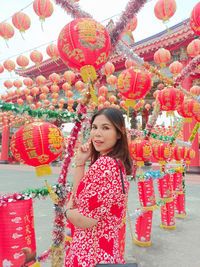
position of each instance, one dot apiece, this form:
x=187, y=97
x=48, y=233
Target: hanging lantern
x=134, y=83
x=101, y=99
x=54, y=78
x=6, y=31
x=54, y=101
x=35, y=91
x=84, y=44
x=66, y=87
x=45, y=89
x=8, y=84
x=52, y=52
x=43, y=96
x=187, y=109
x=162, y=56
x=170, y=98
x=69, y=76
x=9, y=65
x=21, y=21
x=140, y=150
x=178, y=153
x=112, y=99
x=195, y=19
x=79, y=85
x=22, y=61
x=54, y=88
x=28, y=82
x=103, y=90
x=33, y=106
x=195, y=90
x=43, y=8
x=129, y=64
x=189, y=155
x=29, y=98
x=26, y=91
x=4, y=97
x=51, y=108
x=109, y=69
x=147, y=107
x=40, y=80
x=69, y=94
x=20, y=102
x=37, y=144
x=175, y=67
x=132, y=24
x=193, y=49
x=17, y=83
x=1, y=68
x=55, y=95
x=161, y=152
x=36, y=57
x=111, y=80
x=165, y=9
x=39, y=104
x=46, y=102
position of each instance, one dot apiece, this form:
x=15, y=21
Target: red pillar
x=5, y=142
x=188, y=127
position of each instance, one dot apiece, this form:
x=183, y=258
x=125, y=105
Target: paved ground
x=174, y=248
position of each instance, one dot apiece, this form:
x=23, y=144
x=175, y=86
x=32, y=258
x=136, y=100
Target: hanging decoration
x=161, y=57
x=8, y=84
x=22, y=61
x=43, y=8
x=161, y=152
x=195, y=20
x=140, y=150
x=37, y=144
x=28, y=82
x=52, y=52
x=175, y=67
x=6, y=31
x=36, y=57
x=1, y=68
x=193, y=49
x=21, y=21
x=9, y=65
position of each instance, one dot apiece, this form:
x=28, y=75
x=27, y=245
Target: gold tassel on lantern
x=53, y=195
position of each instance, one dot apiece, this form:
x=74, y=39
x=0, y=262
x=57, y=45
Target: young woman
x=99, y=207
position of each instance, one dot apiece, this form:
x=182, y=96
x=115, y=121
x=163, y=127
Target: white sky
x=101, y=10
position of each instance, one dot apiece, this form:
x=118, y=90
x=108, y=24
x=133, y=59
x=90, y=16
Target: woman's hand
x=83, y=153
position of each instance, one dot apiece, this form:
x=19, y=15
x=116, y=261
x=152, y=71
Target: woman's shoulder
x=106, y=160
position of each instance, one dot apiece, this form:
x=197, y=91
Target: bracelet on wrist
x=65, y=212
x=79, y=165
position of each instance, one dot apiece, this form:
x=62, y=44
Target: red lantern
x=66, y=87
x=103, y=90
x=189, y=155
x=45, y=89
x=54, y=88
x=69, y=76
x=112, y=99
x=4, y=97
x=46, y=102
x=132, y=24
x=188, y=108
x=111, y=80
x=21, y=21
x=62, y=101
x=162, y=56
x=161, y=152
x=52, y=51
x=22, y=61
x=33, y=106
x=43, y=8
x=195, y=90
x=26, y=91
x=140, y=150
x=1, y=68
x=54, y=78
x=195, y=19
x=37, y=144
x=170, y=98
x=39, y=104
x=20, y=101
x=54, y=101
x=55, y=95
x=28, y=82
x=109, y=68
x=36, y=57
x=129, y=64
x=29, y=98
x=134, y=83
x=17, y=83
x=193, y=49
x=9, y=65
x=101, y=99
x=43, y=97
x=165, y=9
x=35, y=91
x=175, y=67
x=40, y=80
x=79, y=85
x=84, y=44
x=6, y=30
x=8, y=84
x=147, y=107
x=70, y=102
x=69, y=94
x=178, y=153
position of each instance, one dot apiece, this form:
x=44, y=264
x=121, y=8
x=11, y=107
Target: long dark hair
x=120, y=150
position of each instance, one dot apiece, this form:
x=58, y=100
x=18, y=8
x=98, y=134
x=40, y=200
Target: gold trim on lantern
x=172, y=227
x=88, y=73
x=141, y=244
x=166, y=200
x=130, y=103
x=43, y=170
x=180, y=215
x=150, y=208
x=178, y=192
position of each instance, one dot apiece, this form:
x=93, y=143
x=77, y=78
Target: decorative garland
x=15, y=108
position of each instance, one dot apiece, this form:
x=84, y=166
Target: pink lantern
x=52, y=51
x=8, y=84
x=22, y=61
x=35, y=91
x=6, y=30
x=45, y=89
x=28, y=82
x=193, y=49
x=195, y=90
x=69, y=76
x=20, y=101
x=17, y=83
x=66, y=87
x=9, y=65
x=36, y=57
x=40, y=80
x=111, y=80
x=54, y=78
x=21, y=21
x=43, y=8
x=54, y=88
x=112, y=99
x=103, y=90
x=162, y=56
x=109, y=68
x=132, y=24
x=165, y=9
x=175, y=67
x=1, y=68
x=79, y=85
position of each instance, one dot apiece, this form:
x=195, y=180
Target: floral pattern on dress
x=99, y=196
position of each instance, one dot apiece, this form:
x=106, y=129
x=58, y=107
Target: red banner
x=17, y=234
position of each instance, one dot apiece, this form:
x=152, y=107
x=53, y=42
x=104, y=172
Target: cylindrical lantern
x=146, y=194
x=140, y=150
x=168, y=216
x=179, y=205
x=37, y=144
x=165, y=187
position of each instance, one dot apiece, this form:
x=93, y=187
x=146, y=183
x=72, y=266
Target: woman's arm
x=79, y=220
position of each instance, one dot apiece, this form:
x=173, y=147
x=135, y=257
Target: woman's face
x=103, y=134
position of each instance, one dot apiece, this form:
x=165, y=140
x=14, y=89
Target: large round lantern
x=134, y=83
x=43, y=8
x=161, y=152
x=188, y=109
x=6, y=30
x=140, y=150
x=162, y=56
x=37, y=144
x=193, y=49
x=195, y=19
x=165, y=9
x=8, y=84
x=170, y=98
x=36, y=57
x=84, y=44
x=22, y=61
x=175, y=67
x=52, y=51
x=21, y=21
x=28, y=82
x=9, y=65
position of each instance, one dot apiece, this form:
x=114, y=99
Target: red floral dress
x=99, y=196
